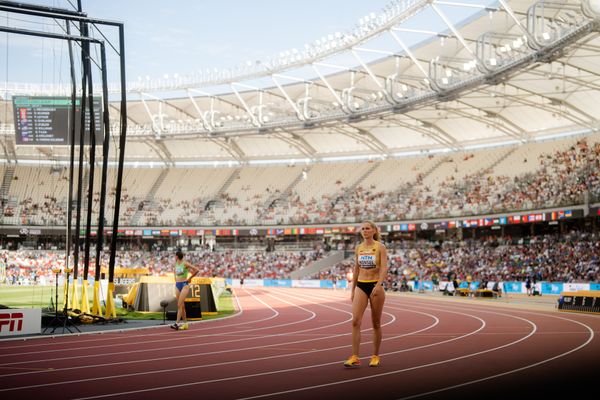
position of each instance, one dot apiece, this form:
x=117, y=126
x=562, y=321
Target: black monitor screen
x=45, y=120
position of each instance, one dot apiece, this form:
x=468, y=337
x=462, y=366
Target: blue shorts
x=181, y=285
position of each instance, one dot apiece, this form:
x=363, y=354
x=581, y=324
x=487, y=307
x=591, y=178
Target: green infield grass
x=44, y=296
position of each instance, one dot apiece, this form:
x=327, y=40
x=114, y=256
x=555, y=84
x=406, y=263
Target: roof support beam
x=331, y=90
x=454, y=30
x=231, y=147
x=365, y=137
x=301, y=116
x=387, y=96
x=206, y=118
x=508, y=127
x=162, y=151
x=298, y=142
x=414, y=60
x=255, y=120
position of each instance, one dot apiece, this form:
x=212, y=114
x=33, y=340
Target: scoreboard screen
x=45, y=121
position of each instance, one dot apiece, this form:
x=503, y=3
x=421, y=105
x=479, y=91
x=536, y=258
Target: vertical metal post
x=122, y=139
x=105, y=155
x=72, y=145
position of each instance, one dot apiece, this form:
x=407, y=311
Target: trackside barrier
x=17, y=321
x=297, y=283
x=550, y=288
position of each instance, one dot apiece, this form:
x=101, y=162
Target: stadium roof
x=511, y=72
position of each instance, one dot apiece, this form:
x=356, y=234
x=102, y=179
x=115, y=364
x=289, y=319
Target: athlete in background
x=181, y=272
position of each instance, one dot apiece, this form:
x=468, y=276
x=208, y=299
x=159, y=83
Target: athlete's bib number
x=367, y=261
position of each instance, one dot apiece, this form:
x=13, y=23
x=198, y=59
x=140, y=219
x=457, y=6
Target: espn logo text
x=12, y=321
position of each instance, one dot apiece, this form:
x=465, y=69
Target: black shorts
x=366, y=287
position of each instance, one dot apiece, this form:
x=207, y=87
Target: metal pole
x=105, y=155
x=122, y=139
x=92, y=160
x=72, y=145
x=84, y=55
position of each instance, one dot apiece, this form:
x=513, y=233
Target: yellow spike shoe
x=352, y=362
x=374, y=361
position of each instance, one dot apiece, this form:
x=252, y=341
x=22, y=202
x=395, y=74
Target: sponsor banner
x=552, y=287
x=253, y=282
x=20, y=321
x=328, y=284
x=575, y=287
x=306, y=283
x=278, y=282
x=594, y=286
x=514, y=287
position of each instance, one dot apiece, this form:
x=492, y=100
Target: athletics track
x=291, y=343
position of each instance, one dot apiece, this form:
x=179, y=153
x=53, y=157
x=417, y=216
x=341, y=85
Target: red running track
x=291, y=343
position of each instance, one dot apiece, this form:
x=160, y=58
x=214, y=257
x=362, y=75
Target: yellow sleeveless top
x=368, y=256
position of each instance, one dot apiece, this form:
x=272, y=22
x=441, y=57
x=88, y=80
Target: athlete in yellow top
x=370, y=270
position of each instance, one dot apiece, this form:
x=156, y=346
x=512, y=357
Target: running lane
x=291, y=343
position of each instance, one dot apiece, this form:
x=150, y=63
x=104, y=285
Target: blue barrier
x=513, y=287
x=552, y=287
x=328, y=284
x=278, y=282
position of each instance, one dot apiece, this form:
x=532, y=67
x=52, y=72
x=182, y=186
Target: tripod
x=63, y=318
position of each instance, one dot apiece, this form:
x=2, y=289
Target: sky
x=184, y=36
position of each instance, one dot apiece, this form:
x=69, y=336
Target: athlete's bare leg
x=359, y=304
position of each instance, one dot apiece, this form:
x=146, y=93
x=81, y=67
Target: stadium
x=467, y=132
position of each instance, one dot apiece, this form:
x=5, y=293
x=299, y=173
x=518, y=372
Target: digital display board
x=45, y=120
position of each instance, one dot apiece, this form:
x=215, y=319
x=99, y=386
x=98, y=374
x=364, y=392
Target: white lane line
x=286, y=334
x=300, y=368
x=328, y=363
x=164, y=339
x=590, y=338
x=237, y=361
x=117, y=333
x=194, y=345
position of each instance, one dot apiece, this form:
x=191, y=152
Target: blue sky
x=183, y=36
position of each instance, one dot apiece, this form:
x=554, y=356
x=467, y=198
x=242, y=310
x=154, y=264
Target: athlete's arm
x=195, y=270
x=383, y=260
x=354, y=274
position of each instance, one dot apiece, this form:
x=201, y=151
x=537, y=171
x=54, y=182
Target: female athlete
x=182, y=270
x=370, y=269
